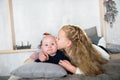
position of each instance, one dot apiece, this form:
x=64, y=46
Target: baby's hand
x=43, y=56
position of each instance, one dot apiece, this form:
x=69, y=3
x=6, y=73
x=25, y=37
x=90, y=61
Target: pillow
x=38, y=70
x=92, y=34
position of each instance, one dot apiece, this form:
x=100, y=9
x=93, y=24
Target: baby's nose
x=50, y=46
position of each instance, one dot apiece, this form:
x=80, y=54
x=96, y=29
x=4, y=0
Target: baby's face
x=49, y=45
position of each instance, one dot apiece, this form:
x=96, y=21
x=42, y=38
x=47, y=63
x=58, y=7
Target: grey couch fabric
x=112, y=73
x=113, y=48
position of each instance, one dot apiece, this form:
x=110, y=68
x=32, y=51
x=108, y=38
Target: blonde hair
x=82, y=53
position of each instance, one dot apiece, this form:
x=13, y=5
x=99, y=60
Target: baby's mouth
x=49, y=50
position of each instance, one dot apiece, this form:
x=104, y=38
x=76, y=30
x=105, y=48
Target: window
x=7, y=30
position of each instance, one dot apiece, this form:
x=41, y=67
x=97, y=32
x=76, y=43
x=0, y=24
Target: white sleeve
x=102, y=52
x=78, y=71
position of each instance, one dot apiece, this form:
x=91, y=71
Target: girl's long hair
x=82, y=53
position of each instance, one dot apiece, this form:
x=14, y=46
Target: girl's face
x=49, y=45
x=62, y=41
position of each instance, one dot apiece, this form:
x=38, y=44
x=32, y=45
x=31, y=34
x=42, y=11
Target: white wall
x=33, y=18
x=113, y=33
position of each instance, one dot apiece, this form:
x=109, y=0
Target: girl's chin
x=59, y=48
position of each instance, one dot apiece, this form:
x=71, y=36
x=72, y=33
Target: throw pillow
x=92, y=34
x=38, y=70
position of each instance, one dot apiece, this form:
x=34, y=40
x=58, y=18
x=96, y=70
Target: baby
x=50, y=52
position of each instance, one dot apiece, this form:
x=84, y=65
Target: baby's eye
x=52, y=44
x=46, y=44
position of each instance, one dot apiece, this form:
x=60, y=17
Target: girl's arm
x=68, y=66
x=34, y=56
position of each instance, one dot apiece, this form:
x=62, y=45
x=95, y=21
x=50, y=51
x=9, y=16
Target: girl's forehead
x=61, y=33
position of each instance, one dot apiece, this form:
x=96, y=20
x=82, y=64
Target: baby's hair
x=46, y=33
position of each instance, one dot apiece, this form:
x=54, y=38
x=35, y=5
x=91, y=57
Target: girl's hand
x=67, y=65
x=43, y=56
x=34, y=56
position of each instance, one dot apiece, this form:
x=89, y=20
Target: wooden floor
x=115, y=56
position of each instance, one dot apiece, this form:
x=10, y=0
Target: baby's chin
x=51, y=54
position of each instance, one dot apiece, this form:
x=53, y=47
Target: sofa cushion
x=92, y=34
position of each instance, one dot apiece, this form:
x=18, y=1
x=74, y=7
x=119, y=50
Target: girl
x=85, y=59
